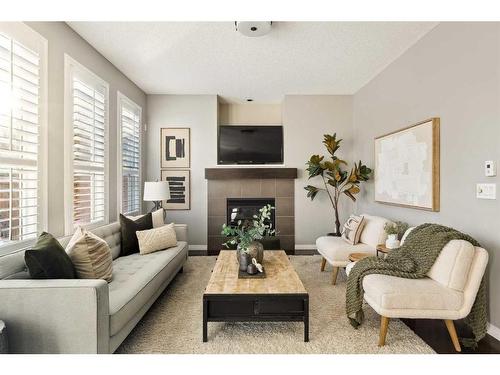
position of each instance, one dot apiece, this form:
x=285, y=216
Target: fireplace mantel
x=250, y=173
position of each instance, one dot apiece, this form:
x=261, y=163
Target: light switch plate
x=486, y=191
x=490, y=169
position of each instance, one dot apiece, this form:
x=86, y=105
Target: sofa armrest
x=56, y=316
x=181, y=231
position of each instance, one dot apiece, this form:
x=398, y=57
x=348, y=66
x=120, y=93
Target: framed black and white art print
x=175, y=147
x=179, y=182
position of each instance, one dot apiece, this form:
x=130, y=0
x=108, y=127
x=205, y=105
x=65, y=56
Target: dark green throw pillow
x=128, y=227
x=48, y=260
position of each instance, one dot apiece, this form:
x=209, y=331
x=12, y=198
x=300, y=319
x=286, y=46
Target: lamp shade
x=156, y=191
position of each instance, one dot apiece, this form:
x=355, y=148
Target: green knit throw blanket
x=412, y=261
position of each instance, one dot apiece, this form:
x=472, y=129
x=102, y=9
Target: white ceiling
x=212, y=58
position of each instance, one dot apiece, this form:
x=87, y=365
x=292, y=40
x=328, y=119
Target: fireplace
x=245, y=208
x=247, y=190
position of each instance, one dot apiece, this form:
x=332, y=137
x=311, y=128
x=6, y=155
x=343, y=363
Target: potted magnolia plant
x=246, y=234
x=337, y=179
x=394, y=232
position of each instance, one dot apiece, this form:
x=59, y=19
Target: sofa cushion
x=12, y=263
x=335, y=249
x=136, y=278
x=373, y=231
x=395, y=293
x=453, y=264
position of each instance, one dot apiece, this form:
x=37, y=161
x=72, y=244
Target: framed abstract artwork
x=175, y=147
x=179, y=182
x=407, y=166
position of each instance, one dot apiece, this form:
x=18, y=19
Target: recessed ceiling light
x=253, y=28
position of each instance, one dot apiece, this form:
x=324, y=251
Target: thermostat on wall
x=490, y=168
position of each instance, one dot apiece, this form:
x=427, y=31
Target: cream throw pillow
x=155, y=239
x=352, y=229
x=157, y=217
x=91, y=256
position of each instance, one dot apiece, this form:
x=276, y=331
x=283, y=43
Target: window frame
x=31, y=39
x=72, y=67
x=122, y=98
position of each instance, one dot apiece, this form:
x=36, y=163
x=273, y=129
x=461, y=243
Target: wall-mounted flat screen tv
x=250, y=145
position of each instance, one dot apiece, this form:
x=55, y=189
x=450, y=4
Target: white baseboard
x=198, y=247
x=305, y=247
x=493, y=331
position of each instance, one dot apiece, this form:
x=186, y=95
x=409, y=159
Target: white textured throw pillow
x=352, y=229
x=155, y=239
x=157, y=217
x=91, y=256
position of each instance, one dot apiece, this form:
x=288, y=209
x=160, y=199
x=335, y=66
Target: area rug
x=174, y=322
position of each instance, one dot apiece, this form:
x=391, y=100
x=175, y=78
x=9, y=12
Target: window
x=129, y=117
x=22, y=134
x=87, y=139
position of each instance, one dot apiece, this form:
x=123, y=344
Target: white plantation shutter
x=20, y=87
x=89, y=140
x=130, y=129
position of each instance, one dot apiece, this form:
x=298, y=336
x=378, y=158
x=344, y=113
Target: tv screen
x=250, y=145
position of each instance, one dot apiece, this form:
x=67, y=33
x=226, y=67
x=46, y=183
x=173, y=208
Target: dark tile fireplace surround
x=249, y=188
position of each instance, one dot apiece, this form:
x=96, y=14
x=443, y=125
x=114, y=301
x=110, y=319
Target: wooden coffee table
x=280, y=297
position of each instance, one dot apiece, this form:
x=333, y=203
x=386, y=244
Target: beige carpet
x=174, y=322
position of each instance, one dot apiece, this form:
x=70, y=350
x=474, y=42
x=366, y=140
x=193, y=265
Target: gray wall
x=62, y=39
x=198, y=112
x=305, y=120
x=452, y=73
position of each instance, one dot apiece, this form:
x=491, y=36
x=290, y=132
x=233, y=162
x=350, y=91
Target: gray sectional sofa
x=85, y=316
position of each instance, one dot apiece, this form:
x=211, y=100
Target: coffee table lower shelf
x=256, y=308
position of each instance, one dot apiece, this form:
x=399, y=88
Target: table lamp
x=156, y=192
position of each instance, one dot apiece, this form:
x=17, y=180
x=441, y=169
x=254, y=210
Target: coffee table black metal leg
x=306, y=320
x=205, y=322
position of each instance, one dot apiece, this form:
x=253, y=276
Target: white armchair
x=335, y=250
x=447, y=293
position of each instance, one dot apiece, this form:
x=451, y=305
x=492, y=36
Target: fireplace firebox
x=245, y=208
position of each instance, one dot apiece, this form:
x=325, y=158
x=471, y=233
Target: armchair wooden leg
x=335, y=272
x=323, y=264
x=453, y=334
x=384, y=324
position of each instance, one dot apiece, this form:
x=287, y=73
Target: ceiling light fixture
x=253, y=28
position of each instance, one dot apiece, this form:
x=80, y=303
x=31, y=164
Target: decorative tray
x=245, y=275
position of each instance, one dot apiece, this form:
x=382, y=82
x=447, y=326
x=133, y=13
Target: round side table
x=354, y=257
x=381, y=248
